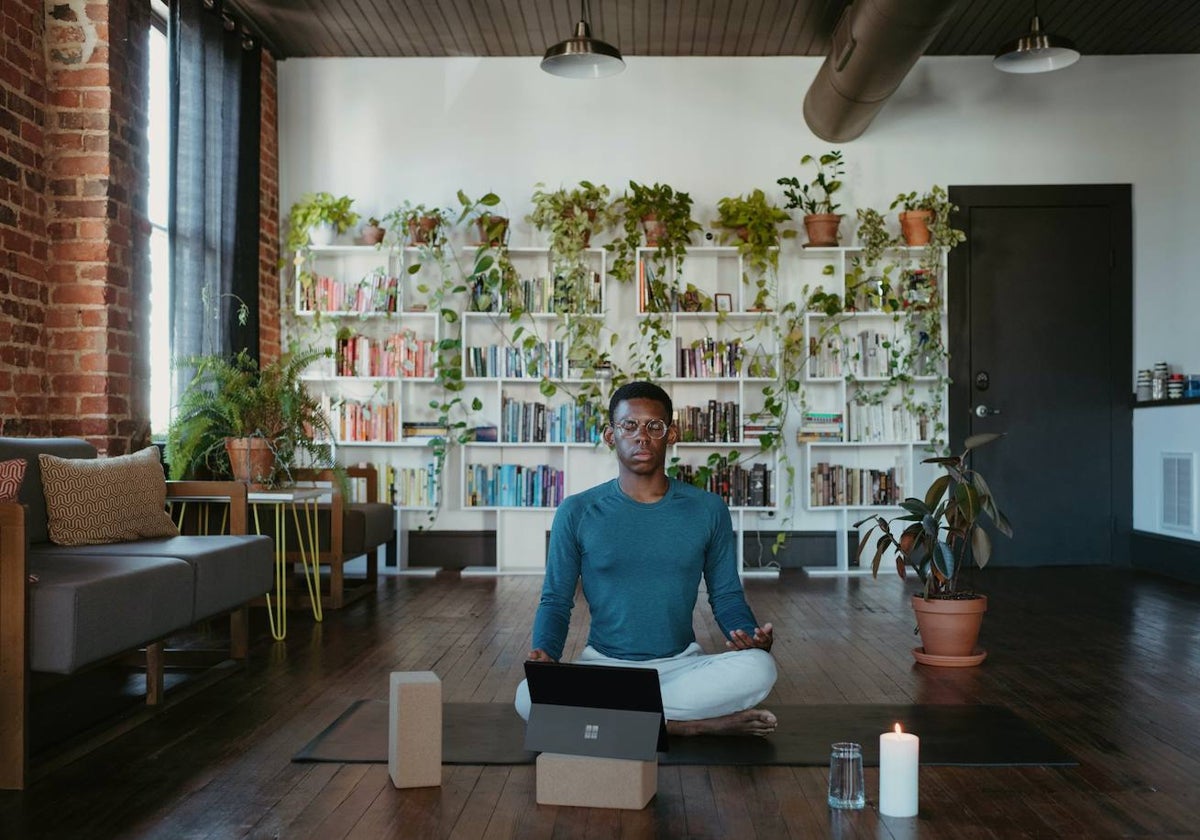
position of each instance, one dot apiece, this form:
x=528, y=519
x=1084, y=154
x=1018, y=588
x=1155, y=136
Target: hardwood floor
x=1106, y=662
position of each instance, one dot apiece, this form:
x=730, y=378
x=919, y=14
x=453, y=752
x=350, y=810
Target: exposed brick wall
x=268, y=248
x=24, y=295
x=74, y=240
x=97, y=355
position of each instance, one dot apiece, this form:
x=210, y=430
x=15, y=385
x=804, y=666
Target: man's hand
x=539, y=655
x=763, y=638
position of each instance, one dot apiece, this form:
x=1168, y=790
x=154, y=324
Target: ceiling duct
x=874, y=45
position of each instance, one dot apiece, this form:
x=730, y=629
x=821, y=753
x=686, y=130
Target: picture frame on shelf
x=723, y=301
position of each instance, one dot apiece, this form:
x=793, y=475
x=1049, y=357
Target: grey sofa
x=63, y=608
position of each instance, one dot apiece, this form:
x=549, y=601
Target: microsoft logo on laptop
x=591, y=731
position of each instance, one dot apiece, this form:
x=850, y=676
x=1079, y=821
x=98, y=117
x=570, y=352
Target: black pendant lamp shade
x=1036, y=51
x=581, y=56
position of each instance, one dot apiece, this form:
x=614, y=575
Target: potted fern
x=236, y=419
x=815, y=198
x=944, y=538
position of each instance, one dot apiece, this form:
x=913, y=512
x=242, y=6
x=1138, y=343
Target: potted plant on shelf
x=237, y=419
x=317, y=218
x=816, y=198
x=418, y=224
x=754, y=224
x=921, y=212
x=372, y=233
x=945, y=538
x=571, y=217
x=664, y=215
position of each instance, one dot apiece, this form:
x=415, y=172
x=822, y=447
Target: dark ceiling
x=417, y=28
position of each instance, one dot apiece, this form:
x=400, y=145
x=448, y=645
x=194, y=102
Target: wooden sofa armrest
x=234, y=492
x=14, y=652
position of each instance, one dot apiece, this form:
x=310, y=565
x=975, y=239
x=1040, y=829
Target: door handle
x=984, y=411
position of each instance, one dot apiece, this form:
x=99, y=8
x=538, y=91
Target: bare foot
x=749, y=722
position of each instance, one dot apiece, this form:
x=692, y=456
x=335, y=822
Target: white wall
x=386, y=130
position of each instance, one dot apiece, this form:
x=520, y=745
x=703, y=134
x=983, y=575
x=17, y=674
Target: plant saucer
x=977, y=656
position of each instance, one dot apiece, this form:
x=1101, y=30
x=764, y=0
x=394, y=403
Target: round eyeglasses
x=656, y=429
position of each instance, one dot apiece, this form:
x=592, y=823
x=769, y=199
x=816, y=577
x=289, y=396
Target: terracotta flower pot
x=493, y=230
x=655, y=230
x=372, y=234
x=949, y=628
x=914, y=226
x=420, y=231
x=822, y=229
x=591, y=214
x=251, y=459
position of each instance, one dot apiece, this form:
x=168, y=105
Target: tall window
x=160, y=256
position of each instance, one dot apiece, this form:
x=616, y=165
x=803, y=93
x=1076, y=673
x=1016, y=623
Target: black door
x=1041, y=348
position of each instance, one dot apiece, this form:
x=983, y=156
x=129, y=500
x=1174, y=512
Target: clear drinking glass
x=846, y=788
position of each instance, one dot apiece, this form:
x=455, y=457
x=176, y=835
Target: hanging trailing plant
x=755, y=225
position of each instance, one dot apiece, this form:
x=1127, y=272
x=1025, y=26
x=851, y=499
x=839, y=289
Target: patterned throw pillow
x=92, y=501
x=12, y=473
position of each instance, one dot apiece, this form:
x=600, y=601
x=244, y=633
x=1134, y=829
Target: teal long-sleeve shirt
x=641, y=566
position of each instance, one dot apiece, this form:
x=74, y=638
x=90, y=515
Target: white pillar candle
x=899, y=755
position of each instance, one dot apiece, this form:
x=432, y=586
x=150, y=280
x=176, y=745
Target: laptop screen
x=597, y=687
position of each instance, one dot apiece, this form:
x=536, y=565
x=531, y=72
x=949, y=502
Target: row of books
x=404, y=486
x=819, y=425
x=541, y=295
x=535, y=422
x=885, y=423
x=867, y=354
x=837, y=484
x=513, y=485
x=422, y=431
x=413, y=486
x=376, y=292
x=544, y=359
x=738, y=486
x=708, y=358
x=401, y=354
x=356, y=421
x=719, y=422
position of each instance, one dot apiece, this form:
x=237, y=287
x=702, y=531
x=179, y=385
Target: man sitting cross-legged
x=640, y=544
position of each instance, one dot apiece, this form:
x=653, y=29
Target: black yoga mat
x=492, y=733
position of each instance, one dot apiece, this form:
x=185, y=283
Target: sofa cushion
x=227, y=571
x=106, y=500
x=12, y=473
x=366, y=526
x=85, y=608
x=31, y=494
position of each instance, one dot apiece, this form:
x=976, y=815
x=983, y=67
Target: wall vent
x=1178, y=491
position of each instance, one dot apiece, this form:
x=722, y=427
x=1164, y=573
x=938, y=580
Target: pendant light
x=581, y=56
x=1036, y=51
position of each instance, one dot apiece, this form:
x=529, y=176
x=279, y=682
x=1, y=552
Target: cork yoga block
x=415, y=729
x=588, y=782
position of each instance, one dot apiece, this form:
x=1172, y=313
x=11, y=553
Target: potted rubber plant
x=821, y=219
x=943, y=539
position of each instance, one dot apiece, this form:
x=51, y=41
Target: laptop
x=602, y=711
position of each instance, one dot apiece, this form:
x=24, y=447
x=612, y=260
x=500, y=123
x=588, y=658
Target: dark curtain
x=214, y=202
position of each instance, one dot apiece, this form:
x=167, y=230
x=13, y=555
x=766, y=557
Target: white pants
x=695, y=685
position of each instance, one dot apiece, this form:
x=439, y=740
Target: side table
x=301, y=502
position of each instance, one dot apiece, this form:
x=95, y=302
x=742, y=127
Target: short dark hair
x=640, y=391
